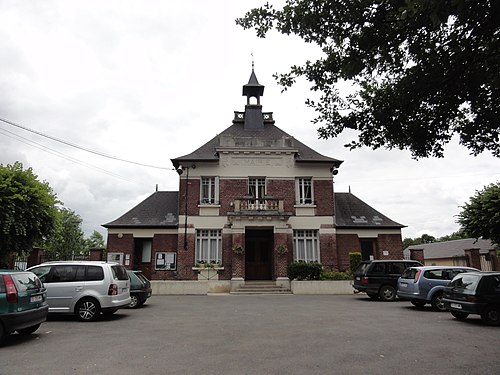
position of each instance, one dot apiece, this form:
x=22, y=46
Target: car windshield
x=465, y=283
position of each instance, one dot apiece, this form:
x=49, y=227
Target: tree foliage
x=427, y=238
x=95, y=241
x=423, y=70
x=27, y=210
x=481, y=216
x=67, y=239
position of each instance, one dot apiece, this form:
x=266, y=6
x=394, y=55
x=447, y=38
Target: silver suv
x=84, y=288
x=422, y=285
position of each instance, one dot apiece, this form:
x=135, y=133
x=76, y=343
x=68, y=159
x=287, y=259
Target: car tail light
x=417, y=276
x=10, y=289
x=472, y=299
x=364, y=280
x=113, y=290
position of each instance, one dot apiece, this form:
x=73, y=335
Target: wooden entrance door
x=258, y=254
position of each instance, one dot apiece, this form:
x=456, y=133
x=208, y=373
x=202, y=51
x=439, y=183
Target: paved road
x=347, y=334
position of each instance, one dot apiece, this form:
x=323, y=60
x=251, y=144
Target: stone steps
x=261, y=287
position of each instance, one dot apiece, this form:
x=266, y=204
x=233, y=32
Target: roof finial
x=252, y=61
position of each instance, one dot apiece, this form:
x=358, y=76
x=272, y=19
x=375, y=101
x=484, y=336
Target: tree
x=27, y=210
x=481, y=216
x=422, y=70
x=425, y=238
x=67, y=239
x=95, y=241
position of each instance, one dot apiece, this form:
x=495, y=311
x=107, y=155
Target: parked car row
x=86, y=289
x=460, y=290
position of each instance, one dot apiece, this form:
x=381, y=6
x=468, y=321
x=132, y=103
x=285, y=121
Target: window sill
x=219, y=268
x=312, y=205
x=215, y=205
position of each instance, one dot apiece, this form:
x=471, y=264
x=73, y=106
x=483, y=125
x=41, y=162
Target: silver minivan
x=422, y=285
x=84, y=288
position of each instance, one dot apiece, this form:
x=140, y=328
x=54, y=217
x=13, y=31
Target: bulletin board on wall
x=166, y=261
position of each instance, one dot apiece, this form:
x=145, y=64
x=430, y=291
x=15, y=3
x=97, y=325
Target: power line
x=78, y=146
x=61, y=155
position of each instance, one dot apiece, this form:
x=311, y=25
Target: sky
x=148, y=81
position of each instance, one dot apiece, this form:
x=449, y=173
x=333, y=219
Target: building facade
x=251, y=200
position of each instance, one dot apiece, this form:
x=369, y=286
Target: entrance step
x=261, y=287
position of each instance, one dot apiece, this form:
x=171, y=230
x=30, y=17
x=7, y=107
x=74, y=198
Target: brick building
x=250, y=201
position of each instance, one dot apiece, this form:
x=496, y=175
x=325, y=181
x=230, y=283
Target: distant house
x=251, y=200
x=471, y=252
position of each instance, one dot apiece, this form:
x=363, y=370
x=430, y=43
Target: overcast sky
x=148, y=81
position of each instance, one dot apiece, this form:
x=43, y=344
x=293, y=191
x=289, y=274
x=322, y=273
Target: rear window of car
x=465, y=283
x=26, y=281
x=119, y=272
x=409, y=273
x=362, y=268
x=142, y=277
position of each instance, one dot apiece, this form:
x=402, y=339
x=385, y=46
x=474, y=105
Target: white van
x=84, y=288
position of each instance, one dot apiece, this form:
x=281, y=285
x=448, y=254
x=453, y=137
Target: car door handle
x=79, y=288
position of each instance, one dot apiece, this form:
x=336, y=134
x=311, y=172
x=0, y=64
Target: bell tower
x=253, y=112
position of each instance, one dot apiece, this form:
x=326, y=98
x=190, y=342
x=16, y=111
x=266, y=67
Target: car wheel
x=387, y=293
x=87, y=309
x=372, y=296
x=29, y=330
x=459, y=315
x=437, y=302
x=491, y=315
x=134, y=301
x=418, y=303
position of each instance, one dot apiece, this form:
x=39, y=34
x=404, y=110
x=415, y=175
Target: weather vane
x=252, y=60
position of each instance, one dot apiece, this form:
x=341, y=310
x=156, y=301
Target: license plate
x=456, y=305
x=403, y=285
x=36, y=299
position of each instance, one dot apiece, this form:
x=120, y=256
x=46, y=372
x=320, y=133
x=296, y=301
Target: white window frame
x=302, y=185
x=306, y=245
x=209, y=246
x=258, y=184
x=212, y=182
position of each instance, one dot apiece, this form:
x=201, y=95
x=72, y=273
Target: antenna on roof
x=349, y=189
x=156, y=187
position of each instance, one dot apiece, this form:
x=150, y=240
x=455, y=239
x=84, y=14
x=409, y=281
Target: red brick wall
x=193, y=196
x=418, y=255
x=122, y=245
x=323, y=196
x=238, y=260
x=391, y=243
x=229, y=190
x=281, y=261
x=328, y=252
x=346, y=243
x=283, y=189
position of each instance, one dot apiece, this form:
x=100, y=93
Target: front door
x=258, y=254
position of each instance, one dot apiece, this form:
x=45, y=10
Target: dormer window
x=304, y=190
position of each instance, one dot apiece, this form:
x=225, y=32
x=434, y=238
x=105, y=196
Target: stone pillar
x=238, y=261
x=474, y=258
x=495, y=262
x=35, y=257
x=96, y=254
x=418, y=255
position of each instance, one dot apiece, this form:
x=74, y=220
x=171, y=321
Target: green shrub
x=336, y=276
x=354, y=261
x=305, y=271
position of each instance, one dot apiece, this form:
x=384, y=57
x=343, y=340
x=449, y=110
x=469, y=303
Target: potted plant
x=238, y=249
x=281, y=249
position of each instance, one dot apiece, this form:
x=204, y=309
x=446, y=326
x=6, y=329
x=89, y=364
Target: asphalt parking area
x=345, y=334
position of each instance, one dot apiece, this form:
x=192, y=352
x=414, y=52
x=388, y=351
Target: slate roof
x=161, y=209
x=450, y=249
x=208, y=152
x=352, y=212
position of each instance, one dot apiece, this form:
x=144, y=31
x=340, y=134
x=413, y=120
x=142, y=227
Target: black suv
x=379, y=278
x=475, y=293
